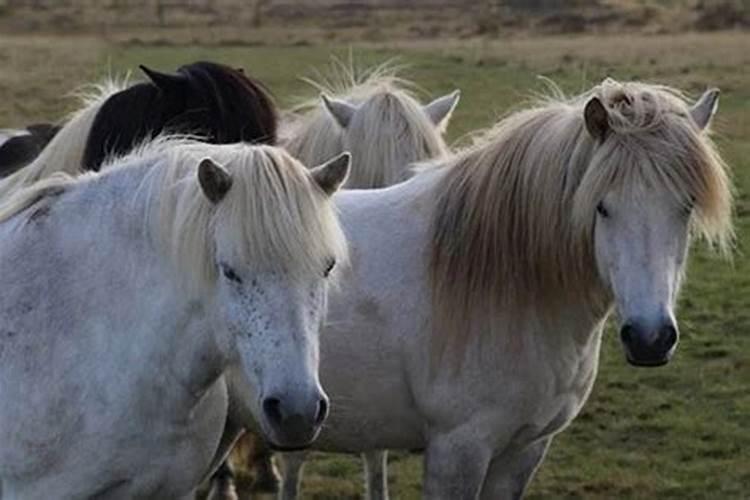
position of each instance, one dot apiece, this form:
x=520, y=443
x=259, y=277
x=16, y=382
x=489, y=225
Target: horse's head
x=654, y=176
x=219, y=104
x=389, y=130
x=275, y=244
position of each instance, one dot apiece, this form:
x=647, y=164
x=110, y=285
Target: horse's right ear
x=597, y=119
x=214, y=180
x=440, y=109
x=705, y=109
x=341, y=111
x=163, y=81
x=331, y=175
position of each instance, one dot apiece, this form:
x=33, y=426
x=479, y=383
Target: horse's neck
x=114, y=211
x=389, y=233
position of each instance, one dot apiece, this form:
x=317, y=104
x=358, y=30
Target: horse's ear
x=703, y=110
x=341, y=111
x=597, y=119
x=331, y=175
x=163, y=81
x=440, y=109
x=214, y=179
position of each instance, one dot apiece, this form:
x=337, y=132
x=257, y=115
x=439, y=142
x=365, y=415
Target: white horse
x=129, y=295
x=470, y=322
x=373, y=114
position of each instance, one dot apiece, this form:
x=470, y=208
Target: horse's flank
x=529, y=189
x=64, y=153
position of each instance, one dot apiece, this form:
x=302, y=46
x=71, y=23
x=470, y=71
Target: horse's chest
x=567, y=395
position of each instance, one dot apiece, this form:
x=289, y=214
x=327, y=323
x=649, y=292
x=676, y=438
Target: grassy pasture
x=677, y=432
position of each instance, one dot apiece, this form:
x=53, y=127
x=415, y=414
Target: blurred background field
x=677, y=432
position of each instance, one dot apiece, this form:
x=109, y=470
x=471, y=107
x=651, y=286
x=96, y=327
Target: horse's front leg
x=376, y=474
x=222, y=486
x=510, y=473
x=291, y=473
x=260, y=457
x=455, y=466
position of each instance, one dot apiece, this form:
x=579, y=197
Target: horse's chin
x=648, y=363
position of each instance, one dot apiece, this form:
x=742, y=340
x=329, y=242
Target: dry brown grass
x=38, y=74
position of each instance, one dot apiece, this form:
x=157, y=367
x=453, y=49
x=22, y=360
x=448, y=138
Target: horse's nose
x=649, y=346
x=295, y=421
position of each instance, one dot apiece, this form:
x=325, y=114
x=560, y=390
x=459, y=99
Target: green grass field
x=677, y=432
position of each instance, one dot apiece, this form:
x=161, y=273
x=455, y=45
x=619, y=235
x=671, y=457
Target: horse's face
x=273, y=320
x=640, y=243
x=641, y=237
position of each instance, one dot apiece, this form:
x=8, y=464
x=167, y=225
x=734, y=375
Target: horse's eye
x=329, y=267
x=602, y=210
x=229, y=273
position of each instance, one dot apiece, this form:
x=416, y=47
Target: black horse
x=214, y=102
x=210, y=102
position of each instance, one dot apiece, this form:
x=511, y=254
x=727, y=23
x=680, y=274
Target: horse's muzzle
x=649, y=346
x=293, y=424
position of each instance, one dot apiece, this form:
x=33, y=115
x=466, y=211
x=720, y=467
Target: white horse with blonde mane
x=470, y=322
x=373, y=114
x=130, y=295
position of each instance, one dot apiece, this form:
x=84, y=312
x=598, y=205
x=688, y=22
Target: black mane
x=218, y=103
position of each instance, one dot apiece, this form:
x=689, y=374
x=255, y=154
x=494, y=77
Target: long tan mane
x=390, y=131
x=513, y=225
x=64, y=153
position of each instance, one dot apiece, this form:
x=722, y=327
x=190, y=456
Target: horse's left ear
x=214, y=179
x=440, y=109
x=703, y=110
x=331, y=175
x=163, y=81
x=596, y=118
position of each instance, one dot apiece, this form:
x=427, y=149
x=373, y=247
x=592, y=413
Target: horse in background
x=476, y=300
x=213, y=102
x=374, y=114
x=18, y=148
x=133, y=292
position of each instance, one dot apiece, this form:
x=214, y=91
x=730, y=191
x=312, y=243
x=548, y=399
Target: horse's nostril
x=322, y=412
x=626, y=333
x=272, y=409
x=668, y=336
